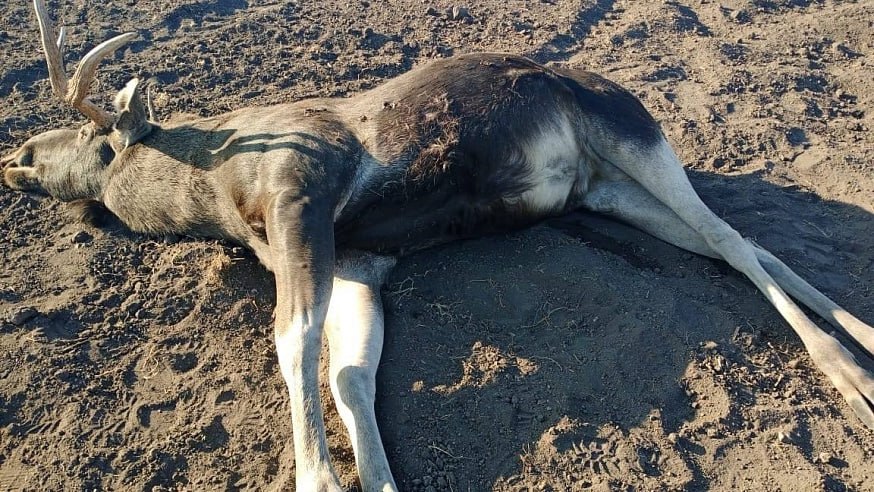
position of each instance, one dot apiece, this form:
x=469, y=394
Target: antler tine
x=52, y=51
x=80, y=83
x=75, y=90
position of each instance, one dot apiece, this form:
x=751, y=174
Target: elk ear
x=131, y=123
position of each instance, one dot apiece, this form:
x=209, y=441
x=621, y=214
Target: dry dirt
x=577, y=355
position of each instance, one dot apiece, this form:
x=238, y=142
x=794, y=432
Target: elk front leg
x=301, y=238
x=355, y=333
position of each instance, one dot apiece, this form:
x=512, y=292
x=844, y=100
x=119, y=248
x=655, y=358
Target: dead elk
x=327, y=192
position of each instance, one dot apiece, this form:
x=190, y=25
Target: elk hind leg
x=629, y=202
x=658, y=171
x=354, y=327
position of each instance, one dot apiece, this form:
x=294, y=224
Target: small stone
x=740, y=16
x=81, y=237
x=718, y=364
x=793, y=364
x=673, y=438
x=710, y=345
x=458, y=13
x=133, y=307
x=784, y=437
x=825, y=458
x=796, y=136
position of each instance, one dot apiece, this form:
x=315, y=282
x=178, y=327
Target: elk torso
x=455, y=149
x=478, y=143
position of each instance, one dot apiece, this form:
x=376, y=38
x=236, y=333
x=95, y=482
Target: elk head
x=68, y=164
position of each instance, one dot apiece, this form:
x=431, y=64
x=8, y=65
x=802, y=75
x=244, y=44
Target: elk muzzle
x=21, y=178
x=17, y=172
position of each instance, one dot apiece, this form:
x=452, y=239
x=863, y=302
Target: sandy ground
x=577, y=355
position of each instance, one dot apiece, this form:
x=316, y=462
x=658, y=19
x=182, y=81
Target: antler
x=75, y=91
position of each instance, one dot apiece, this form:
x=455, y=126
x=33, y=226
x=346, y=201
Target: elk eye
x=106, y=153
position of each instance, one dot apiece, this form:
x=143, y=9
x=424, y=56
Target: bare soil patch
x=577, y=355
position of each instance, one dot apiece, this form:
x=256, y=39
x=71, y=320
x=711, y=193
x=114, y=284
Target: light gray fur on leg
x=354, y=327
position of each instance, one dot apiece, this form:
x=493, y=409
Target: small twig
x=811, y=224
x=544, y=318
x=447, y=453
x=402, y=291
x=550, y=359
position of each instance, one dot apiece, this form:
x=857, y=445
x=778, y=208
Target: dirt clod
x=21, y=315
x=81, y=237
